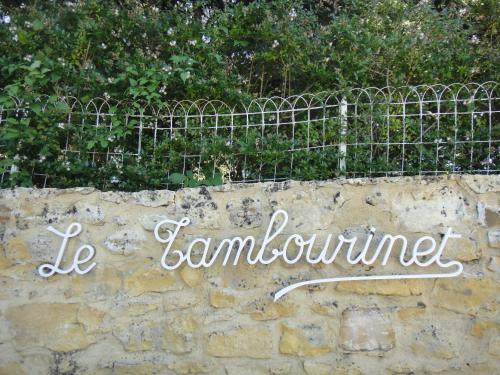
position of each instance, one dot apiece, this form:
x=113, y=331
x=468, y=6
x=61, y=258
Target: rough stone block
x=305, y=340
x=245, y=212
x=366, y=329
x=125, y=241
x=494, y=238
x=51, y=325
x=252, y=342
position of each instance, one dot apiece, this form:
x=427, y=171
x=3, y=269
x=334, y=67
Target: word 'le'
x=47, y=270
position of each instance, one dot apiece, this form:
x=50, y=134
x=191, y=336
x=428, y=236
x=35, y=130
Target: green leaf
x=185, y=75
x=37, y=25
x=179, y=58
x=35, y=65
x=177, y=178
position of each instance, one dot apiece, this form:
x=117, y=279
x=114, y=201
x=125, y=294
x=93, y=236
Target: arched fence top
x=201, y=107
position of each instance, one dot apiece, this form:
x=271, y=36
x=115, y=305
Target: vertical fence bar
x=343, y=133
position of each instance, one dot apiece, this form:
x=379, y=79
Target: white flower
x=27, y=24
x=206, y=39
x=192, y=42
x=114, y=180
x=170, y=31
x=163, y=90
x=106, y=96
x=60, y=125
x=103, y=46
x=198, y=174
x=275, y=43
x=462, y=12
x=28, y=58
x=167, y=68
x=474, y=39
x=293, y=14
x=111, y=138
x=110, y=79
x=207, y=12
x=6, y=19
x=173, y=43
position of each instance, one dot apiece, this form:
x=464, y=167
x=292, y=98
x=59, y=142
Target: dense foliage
x=158, y=51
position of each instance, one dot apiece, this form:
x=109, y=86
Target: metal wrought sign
x=425, y=252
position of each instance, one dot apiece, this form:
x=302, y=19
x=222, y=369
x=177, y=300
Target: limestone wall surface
x=128, y=315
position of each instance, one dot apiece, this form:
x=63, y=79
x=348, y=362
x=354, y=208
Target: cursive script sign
x=425, y=252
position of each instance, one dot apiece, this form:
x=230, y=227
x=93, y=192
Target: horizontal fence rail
x=427, y=129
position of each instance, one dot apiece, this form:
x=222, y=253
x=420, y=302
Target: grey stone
x=245, y=213
x=89, y=213
x=125, y=241
x=366, y=330
x=44, y=247
x=494, y=238
x=153, y=198
x=115, y=196
x=149, y=222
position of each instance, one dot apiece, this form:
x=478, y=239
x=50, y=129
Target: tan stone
x=327, y=308
x=133, y=369
x=16, y=250
x=494, y=347
x=178, y=335
x=4, y=262
x=366, y=330
x=246, y=370
x=148, y=279
x=90, y=318
x=266, y=309
x=347, y=369
x=181, y=299
x=466, y=295
x=304, y=341
x=135, y=335
x=441, y=335
x=138, y=309
x=387, y=287
x=480, y=327
x=494, y=264
x=192, y=276
x=316, y=368
x=51, y=325
x=463, y=249
x=192, y=366
x=220, y=299
x=424, y=349
x=280, y=368
x=250, y=342
x=101, y=283
x=11, y=368
x=406, y=313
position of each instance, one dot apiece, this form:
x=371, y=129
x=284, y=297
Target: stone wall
x=130, y=316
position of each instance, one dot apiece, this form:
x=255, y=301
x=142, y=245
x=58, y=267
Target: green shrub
x=153, y=53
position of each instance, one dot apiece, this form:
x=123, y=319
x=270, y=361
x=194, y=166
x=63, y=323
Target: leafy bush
x=156, y=52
